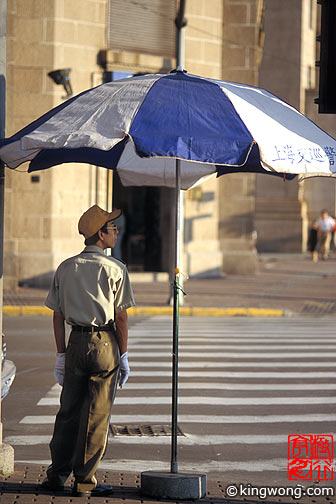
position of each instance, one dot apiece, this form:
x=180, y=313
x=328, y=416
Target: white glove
x=124, y=370
x=59, y=368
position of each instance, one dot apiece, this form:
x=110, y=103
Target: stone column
x=287, y=71
x=236, y=223
x=320, y=192
x=202, y=255
x=241, y=57
x=280, y=215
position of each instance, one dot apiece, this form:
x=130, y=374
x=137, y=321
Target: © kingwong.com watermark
x=264, y=492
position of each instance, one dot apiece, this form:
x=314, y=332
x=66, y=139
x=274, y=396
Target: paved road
x=289, y=282
x=245, y=385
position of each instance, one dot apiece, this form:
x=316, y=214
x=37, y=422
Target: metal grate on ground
x=143, y=430
x=316, y=307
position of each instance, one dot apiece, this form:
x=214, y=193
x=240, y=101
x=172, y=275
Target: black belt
x=92, y=328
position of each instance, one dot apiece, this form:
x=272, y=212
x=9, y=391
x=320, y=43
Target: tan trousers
x=324, y=243
x=81, y=426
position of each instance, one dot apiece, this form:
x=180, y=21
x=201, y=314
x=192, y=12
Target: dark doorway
x=144, y=234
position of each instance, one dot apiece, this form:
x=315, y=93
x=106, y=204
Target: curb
x=207, y=312
x=152, y=311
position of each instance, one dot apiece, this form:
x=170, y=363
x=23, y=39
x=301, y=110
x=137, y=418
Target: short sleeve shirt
x=325, y=225
x=89, y=288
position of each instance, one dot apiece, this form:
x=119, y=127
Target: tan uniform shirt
x=89, y=288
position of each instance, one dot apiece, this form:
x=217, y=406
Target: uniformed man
x=91, y=292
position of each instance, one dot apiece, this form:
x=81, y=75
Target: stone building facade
x=42, y=209
x=288, y=60
x=223, y=39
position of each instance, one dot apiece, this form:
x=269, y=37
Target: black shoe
x=51, y=486
x=98, y=491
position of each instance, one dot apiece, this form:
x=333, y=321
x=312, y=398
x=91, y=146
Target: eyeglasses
x=114, y=228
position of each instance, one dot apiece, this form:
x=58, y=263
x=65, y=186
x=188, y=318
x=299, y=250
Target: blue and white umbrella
x=139, y=126
x=175, y=130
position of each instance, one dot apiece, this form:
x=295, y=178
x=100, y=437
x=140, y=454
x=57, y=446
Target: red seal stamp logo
x=310, y=457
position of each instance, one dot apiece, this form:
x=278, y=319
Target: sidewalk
x=287, y=284
x=23, y=488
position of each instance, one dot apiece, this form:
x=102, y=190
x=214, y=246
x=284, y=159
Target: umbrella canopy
x=139, y=126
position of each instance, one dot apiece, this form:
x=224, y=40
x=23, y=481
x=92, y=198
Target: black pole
x=174, y=463
x=176, y=289
x=180, y=23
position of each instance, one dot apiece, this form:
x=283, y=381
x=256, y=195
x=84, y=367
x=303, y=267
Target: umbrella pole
x=180, y=23
x=174, y=484
x=176, y=289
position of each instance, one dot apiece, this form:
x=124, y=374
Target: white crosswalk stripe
x=54, y=393
x=244, y=347
x=271, y=465
x=233, y=355
x=191, y=440
x=201, y=419
x=213, y=401
x=242, y=382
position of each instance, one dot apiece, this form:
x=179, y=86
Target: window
x=142, y=26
